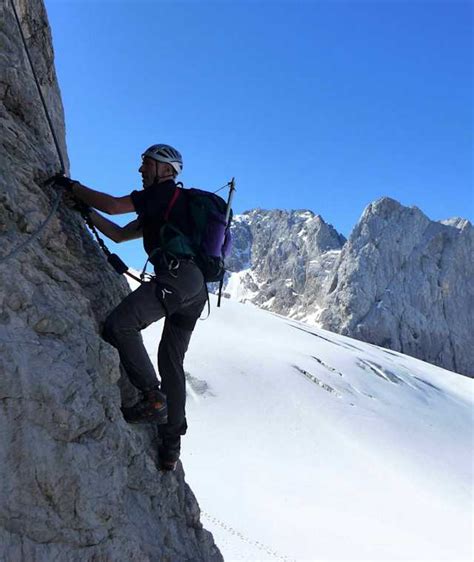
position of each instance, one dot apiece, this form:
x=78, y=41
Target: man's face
x=148, y=170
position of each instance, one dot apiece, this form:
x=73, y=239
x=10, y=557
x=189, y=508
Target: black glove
x=81, y=207
x=63, y=181
x=74, y=203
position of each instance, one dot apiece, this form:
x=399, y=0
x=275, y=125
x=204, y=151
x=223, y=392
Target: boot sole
x=168, y=467
x=160, y=420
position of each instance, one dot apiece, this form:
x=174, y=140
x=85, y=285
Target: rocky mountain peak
x=457, y=222
x=401, y=280
x=274, y=256
x=385, y=216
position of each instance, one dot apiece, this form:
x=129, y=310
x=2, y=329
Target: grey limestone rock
x=405, y=282
x=401, y=281
x=288, y=255
x=77, y=483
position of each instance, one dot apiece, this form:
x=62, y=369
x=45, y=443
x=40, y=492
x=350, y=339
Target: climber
x=176, y=293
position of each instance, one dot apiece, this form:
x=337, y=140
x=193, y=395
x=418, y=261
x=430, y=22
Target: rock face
x=405, y=282
x=401, y=281
x=281, y=259
x=77, y=483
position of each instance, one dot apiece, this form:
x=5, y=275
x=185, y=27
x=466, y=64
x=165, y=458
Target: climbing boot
x=151, y=409
x=166, y=465
x=168, y=453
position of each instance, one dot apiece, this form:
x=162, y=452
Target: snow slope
x=307, y=445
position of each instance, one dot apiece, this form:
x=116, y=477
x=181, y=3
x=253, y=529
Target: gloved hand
x=63, y=181
x=81, y=207
x=76, y=204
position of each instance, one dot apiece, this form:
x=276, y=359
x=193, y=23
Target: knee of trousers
x=171, y=355
x=106, y=330
x=112, y=329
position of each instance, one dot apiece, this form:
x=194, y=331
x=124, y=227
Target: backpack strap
x=173, y=200
x=179, y=245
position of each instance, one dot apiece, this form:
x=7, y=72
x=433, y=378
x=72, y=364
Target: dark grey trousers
x=180, y=296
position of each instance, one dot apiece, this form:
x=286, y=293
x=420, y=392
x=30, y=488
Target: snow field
x=307, y=445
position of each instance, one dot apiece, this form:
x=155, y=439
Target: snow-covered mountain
x=308, y=445
x=401, y=280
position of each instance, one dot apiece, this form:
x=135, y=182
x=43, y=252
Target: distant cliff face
x=77, y=483
x=281, y=259
x=406, y=283
x=401, y=281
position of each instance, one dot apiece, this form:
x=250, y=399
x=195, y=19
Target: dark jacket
x=151, y=205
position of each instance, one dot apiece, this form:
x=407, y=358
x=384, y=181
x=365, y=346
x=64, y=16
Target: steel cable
x=34, y=236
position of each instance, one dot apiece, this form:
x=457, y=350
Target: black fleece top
x=151, y=204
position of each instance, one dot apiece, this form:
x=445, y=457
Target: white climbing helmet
x=167, y=154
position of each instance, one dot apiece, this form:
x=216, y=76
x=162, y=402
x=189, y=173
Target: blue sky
x=310, y=105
